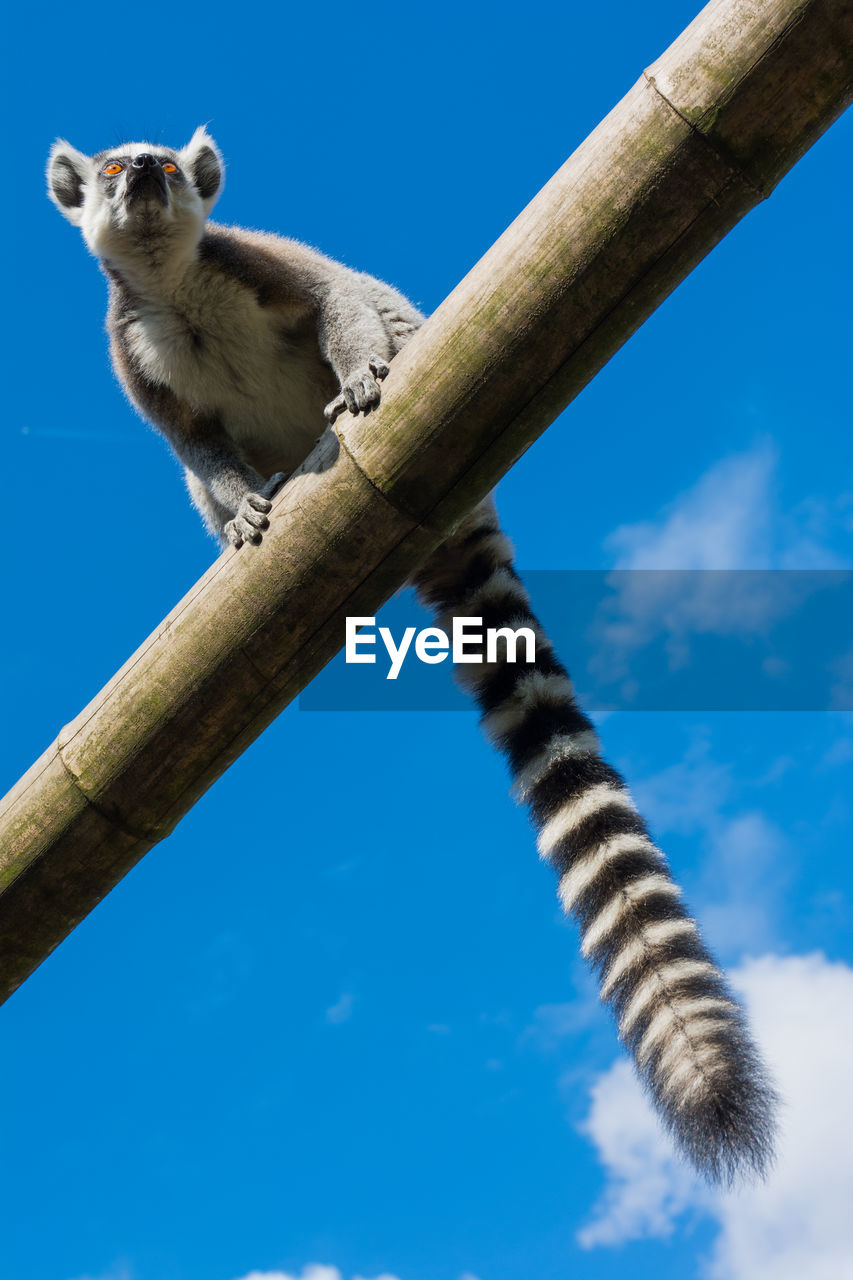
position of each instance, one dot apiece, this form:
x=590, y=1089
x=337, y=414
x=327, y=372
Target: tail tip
x=729, y=1136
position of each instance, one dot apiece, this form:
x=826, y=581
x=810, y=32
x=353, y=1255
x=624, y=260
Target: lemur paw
x=361, y=391
x=251, y=518
x=250, y=521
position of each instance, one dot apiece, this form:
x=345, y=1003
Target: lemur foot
x=361, y=391
x=251, y=520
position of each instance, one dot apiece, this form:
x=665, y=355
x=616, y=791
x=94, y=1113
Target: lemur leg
x=214, y=515
x=360, y=330
x=400, y=318
x=354, y=340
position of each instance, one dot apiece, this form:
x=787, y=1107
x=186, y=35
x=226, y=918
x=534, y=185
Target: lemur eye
x=113, y=168
x=168, y=167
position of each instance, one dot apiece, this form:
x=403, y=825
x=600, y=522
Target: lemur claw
x=378, y=367
x=360, y=393
x=250, y=520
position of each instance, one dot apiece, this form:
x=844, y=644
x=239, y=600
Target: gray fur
x=240, y=346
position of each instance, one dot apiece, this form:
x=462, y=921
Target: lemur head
x=137, y=199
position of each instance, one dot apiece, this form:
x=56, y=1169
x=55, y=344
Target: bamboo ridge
x=703, y=136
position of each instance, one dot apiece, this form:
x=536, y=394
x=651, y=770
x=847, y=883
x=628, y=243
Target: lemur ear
x=202, y=160
x=68, y=171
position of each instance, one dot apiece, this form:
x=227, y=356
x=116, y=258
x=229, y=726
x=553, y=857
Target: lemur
x=240, y=347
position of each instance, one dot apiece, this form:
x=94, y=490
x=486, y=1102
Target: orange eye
x=168, y=167
x=113, y=168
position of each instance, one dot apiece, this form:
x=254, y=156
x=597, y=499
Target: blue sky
x=335, y=1026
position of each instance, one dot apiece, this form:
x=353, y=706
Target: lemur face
x=132, y=197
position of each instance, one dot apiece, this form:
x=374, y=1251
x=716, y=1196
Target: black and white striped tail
x=675, y=1013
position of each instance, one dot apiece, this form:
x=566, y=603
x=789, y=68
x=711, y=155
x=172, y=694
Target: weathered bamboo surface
x=703, y=136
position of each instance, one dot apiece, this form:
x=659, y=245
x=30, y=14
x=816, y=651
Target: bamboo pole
x=703, y=136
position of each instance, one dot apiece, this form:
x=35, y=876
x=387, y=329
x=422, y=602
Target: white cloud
x=731, y=519
x=799, y=1223
x=647, y=1187
x=722, y=522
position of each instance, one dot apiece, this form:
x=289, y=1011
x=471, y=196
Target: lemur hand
x=251, y=520
x=361, y=390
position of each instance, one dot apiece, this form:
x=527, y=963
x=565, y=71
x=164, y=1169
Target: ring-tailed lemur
x=235, y=344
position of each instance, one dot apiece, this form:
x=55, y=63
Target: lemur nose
x=144, y=161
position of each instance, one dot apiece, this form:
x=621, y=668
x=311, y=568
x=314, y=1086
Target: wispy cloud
x=315, y=1271
x=554, y=1023
x=119, y=1271
x=688, y=795
x=743, y=883
x=729, y=520
x=722, y=522
x=799, y=1222
x=840, y=753
x=841, y=694
x=340, y=1011
x=747, y=859
x=221, y=970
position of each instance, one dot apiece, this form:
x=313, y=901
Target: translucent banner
x=633, y=640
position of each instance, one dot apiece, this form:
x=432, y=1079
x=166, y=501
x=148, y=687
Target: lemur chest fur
x=257, y=369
